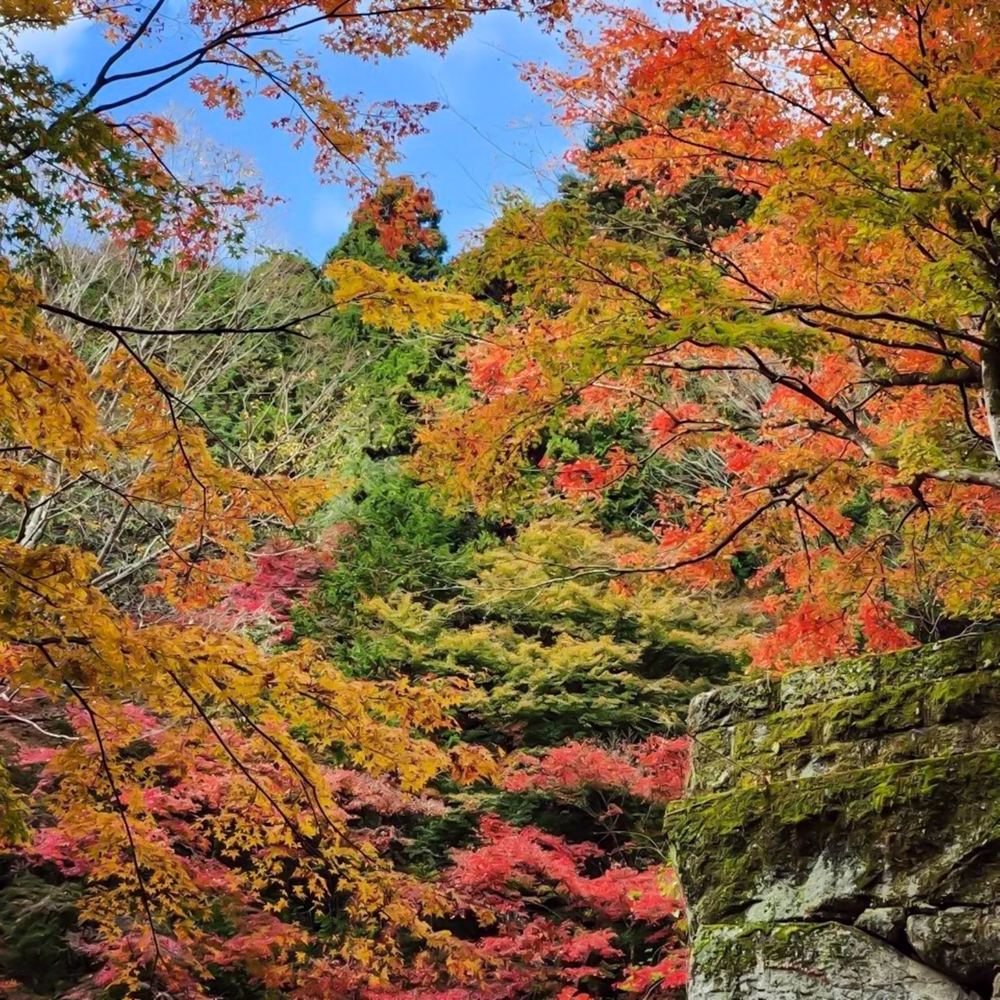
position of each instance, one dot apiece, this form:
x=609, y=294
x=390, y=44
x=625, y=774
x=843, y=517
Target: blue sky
x=493, y=132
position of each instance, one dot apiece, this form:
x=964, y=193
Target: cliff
x=841, y=838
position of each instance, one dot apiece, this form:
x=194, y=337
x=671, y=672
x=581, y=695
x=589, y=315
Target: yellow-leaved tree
x=192, y=785
x=189, y=781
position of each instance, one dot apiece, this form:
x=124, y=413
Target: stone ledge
x=922, y=829
x=864, y=729
x=842, y=835
x=875, y=673
x=726, y=773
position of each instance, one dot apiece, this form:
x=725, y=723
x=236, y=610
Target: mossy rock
x=881, y=672
x=864, y=787
x=789, y=742
x=723, y=773
x=808, y=961
x=920, y=829
x=876, y=673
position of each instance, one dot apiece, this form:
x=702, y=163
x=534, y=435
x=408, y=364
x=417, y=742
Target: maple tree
x=813, y=369
x=190, y=783
x=95, y=152
x=397, y=227
x=160, y=700
x=562, y=955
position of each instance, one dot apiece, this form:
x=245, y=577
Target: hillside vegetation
x=352, y=607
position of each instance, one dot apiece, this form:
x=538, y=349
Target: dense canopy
x=351, y=607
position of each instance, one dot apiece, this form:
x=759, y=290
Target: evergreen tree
x=396, y=228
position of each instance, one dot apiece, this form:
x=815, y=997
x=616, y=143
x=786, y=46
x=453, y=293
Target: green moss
x=880, y=672
x=769, y=744
x=842, y=720
x=969, y=696
x=872, y=772
x=776, y=732
x=729, y=952
x=716, y=742
x=876, y=675
x=713, y=754
x=729, y=843
x=812, y=760
x=856, y=794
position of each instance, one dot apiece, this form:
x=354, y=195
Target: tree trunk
x=990, y=359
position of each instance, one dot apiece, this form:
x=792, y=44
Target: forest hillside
x=352, y=608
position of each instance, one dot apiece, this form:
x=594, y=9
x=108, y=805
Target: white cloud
x=55, y=48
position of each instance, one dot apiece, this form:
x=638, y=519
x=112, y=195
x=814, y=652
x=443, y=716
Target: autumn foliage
x=779, y=263
x=404, y=728
x=180, y=795
x=229, y=807
x=403, y=216
x=204, y=800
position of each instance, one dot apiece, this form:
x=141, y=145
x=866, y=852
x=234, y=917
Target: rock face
x=841, y=838
x=828, y=961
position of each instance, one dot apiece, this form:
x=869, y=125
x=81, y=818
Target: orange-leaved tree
x=95, y=150
x=823, y=378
